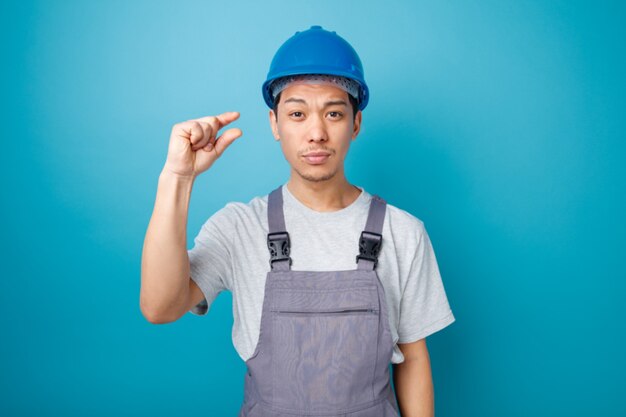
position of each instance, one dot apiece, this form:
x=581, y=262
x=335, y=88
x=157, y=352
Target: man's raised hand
x=193, y=145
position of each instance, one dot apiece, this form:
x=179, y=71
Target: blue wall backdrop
x=500, y=124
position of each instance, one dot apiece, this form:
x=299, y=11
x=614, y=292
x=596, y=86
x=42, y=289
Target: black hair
x=353, y=101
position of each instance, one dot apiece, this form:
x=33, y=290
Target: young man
x=330, y=284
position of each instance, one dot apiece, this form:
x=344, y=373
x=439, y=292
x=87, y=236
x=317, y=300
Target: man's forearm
x=413, y=383
x=165, y=264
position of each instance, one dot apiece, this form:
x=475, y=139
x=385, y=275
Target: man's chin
x=311, y=175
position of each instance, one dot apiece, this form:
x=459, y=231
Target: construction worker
x=330, y=284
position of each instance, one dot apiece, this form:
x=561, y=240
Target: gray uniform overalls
x=324, y=346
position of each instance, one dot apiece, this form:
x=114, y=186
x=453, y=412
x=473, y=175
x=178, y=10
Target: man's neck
x=323, y=196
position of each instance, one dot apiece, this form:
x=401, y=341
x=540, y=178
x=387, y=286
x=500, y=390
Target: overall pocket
x=324, y=348
x=340, y=312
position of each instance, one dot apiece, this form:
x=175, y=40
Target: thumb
x=226, y=138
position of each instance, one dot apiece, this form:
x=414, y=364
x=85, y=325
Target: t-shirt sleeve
x=210, y=261
x=424, y=307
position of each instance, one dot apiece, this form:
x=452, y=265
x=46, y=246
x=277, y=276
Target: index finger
x=222, y=119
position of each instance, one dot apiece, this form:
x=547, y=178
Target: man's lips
x=316, y=154
x=316, y=158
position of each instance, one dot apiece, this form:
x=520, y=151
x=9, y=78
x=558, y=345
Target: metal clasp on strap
x=369, y=246
x=279, y=246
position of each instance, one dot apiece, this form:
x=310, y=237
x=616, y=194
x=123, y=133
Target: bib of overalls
x=325, y=345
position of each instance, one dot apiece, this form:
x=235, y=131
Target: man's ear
x=357, y=124
x=274, y=124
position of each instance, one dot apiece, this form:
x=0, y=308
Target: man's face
x=315, y=118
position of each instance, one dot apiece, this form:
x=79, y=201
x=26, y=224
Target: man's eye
x=338, y=114
x=296, y=113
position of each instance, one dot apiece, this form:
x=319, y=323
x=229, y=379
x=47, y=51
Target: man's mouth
x=316, y=158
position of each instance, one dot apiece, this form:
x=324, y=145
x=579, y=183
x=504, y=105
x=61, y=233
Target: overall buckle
x=279, y=245
x=369, y=246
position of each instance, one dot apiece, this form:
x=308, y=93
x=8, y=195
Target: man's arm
x=165, y=271
x=166, y=287
x=413, y=382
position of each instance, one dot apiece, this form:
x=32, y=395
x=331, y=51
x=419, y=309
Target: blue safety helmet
x=316, y=51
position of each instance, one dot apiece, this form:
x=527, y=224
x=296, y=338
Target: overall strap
x=277, y=239
x=371, y=238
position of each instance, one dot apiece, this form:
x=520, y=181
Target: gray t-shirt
x=230, y=253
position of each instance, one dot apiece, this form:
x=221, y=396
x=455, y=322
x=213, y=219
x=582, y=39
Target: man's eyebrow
x=328, y=103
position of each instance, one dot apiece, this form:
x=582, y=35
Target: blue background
x=500, y=124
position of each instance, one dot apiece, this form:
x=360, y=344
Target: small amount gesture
x=193, y=145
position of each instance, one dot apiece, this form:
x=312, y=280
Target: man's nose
x=317, y=130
